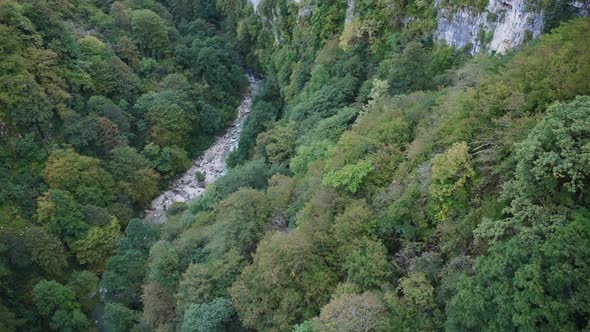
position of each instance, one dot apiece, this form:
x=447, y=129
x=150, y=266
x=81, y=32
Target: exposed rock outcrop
x=502, y=25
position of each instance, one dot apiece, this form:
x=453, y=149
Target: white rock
x=211, y=164
x=508, y=20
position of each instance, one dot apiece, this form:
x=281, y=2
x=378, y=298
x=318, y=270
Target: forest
x=383, y=180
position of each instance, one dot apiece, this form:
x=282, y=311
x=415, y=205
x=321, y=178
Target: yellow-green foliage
x=349, y=177
x=451, y=172
x=97, y=245
x=359, y=186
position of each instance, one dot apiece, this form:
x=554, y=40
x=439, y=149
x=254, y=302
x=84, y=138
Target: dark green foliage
x=212, y=316
x=331, y=128
x=57, y=303
x=212, y=60
x=62, y=215
x=240, y=222
x=163, y=265
x=119, y=318
x=528, y=282
x=409, y=71
x=534, y=252
x=124, y=276
x=253, y=174
x=264, y=111
x=85, y=285
x=139, y=235
x=203, y=281
x=86, y=87
x=325, y=102
x=287, y=281
x=81, y=176
x=150, y=32
x=383, y=181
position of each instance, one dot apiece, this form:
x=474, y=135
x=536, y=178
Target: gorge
x=207, y=167
x=403, y=165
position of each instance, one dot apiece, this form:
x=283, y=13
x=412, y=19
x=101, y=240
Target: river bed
x=188, y=187
x=211, y=164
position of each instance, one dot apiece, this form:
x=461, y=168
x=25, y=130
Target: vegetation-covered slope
x=100, y=104
x=383, y=182
x=424, y=191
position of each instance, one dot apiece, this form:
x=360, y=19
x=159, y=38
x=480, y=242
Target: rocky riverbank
x=208, y=167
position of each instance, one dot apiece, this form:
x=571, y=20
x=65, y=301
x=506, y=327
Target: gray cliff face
x=270, y=19
x=502, y=25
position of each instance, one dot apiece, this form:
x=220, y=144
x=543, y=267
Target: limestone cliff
x=500, y=26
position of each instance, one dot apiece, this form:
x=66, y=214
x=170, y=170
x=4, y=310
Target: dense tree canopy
x=383, y=180
x=98, y=110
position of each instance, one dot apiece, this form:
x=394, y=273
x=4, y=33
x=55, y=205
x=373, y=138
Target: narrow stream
x=211, y=164
x=188, y=187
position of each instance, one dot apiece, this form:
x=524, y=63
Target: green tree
x=46, y=250
x=139, y=235
x=119, y=318
x=169, y=125
x=409, y=71
x=80, y=175
x=58, y=303
x=203, y=282
x=92, y=46
x=451, y=173
x=366, y=263
x=349, y=177
x=150, y=32
x=261, y=114
x=412, y=305
x=158, y=305
x=277, y=145
x=163, y=265
x=8, y=321
x=85, y=285
x=124, y=276
x=106, y=108
x=127, y=51
x=168, y=160
x=213, y=60
x=240, y=221
x=353, y=312
x=97, y=245
x=308, y=154
x=253, y=174
x=61, y=214
x=69, y=321
x=212, y=316
x=530, y=276
x=556, y=152
x=112, y=78
x=133, y=174
x=286, y=282
x=532, y=280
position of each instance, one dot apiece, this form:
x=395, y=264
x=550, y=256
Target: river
x=188, y=187
x=211, y=164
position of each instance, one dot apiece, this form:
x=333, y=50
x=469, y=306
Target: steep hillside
x=101, y=104
x=405, y=166
x=386, y=181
